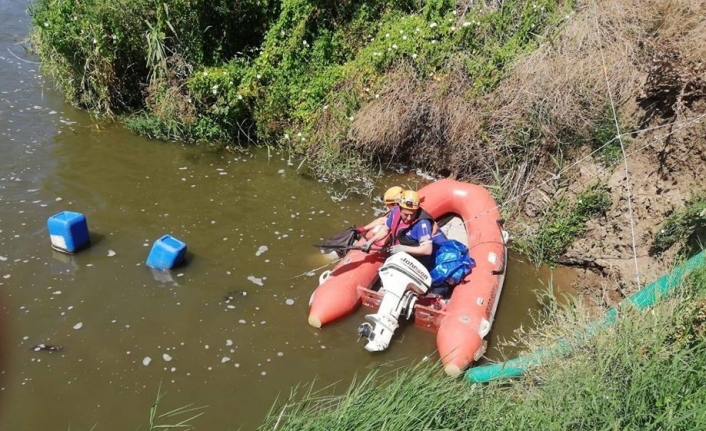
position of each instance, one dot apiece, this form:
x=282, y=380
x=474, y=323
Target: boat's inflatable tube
x=471, y=309
x=648, y=296
x=338, y=295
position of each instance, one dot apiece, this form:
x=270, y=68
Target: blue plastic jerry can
x=167, y=252
x=68, y=231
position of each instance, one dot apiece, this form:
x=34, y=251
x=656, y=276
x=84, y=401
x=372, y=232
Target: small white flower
x=432, y=25
x=414, y=55
x=205, y=73
x=394, y=46
x=466, y=23
x=94, y=40
x=46, y=24
x=240, y=97
x=387, y=34
x=259, y=76
x=404, y=37
x=350, y=118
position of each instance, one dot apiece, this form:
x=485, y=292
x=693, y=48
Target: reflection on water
x=227, y=330
x=62, y=264
x=163, y=276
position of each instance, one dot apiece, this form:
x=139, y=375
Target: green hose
x=650, y=295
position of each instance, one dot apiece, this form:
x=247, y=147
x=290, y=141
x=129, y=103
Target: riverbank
x=585, y=119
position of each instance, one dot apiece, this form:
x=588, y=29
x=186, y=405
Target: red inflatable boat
x=468, y=213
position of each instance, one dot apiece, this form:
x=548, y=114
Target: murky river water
x=249, y=220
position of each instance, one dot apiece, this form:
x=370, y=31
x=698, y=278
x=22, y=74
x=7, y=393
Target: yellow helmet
x=392, y=195
x=409, y=200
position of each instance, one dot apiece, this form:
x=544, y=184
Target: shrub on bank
x=310, y=73
x=103, y=53
x=683, y=227
x=562, y=223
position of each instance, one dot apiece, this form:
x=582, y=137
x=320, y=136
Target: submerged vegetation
x=645, y=372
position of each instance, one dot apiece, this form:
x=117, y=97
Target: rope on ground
x=313, y=271
x=625, y=159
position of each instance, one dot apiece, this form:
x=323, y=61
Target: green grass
x=686, y=227
x=562, y=223
x=640, y=374
x=179, y=418
x=262, y=71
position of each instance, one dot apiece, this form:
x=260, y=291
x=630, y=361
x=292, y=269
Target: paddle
x=348, y=247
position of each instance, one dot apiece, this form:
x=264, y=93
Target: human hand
x=360, y=229
x=399, y=248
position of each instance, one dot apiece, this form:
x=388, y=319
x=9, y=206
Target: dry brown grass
x=648, y=55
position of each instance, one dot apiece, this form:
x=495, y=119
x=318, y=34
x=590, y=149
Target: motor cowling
x=403, y=280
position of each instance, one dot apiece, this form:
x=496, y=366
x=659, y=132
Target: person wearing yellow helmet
x=412, y=230
x=390, y=198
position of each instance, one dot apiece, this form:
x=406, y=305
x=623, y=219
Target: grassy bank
x=646, y=372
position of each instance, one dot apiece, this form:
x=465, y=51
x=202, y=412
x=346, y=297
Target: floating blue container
x=68, y=231
x=167, y=252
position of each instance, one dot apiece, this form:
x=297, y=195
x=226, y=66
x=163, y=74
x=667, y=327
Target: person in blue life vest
x=391, y=198
x=411, y=229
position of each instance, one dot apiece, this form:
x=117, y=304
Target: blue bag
x=451, y=263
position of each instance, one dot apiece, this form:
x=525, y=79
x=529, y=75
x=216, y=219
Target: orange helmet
x=409, y=200
x=392, y=195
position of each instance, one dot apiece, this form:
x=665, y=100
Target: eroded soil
x=666, y=166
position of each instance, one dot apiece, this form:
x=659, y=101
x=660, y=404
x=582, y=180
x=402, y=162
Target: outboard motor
x=403, y=280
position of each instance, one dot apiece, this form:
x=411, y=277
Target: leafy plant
x=563, y=223
x=687, y=226
x=604, y=138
